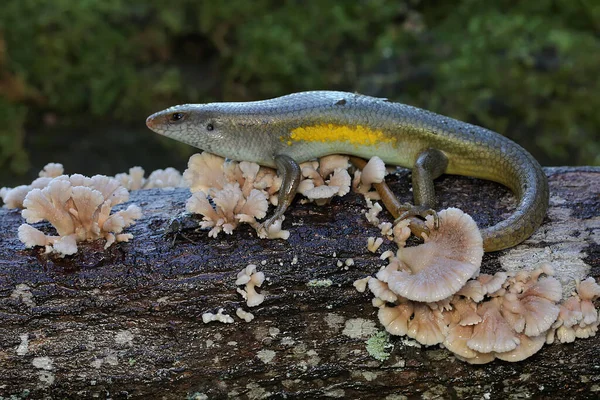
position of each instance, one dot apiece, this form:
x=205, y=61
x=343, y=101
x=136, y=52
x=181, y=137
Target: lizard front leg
x=290, y=174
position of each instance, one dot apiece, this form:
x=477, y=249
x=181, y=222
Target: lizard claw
x=271, y=229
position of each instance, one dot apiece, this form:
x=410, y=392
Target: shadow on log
x=126, y=322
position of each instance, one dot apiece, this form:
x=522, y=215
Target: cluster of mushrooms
x=432, y=292
x=79, y=208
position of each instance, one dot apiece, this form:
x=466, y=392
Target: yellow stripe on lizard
x=328, y=133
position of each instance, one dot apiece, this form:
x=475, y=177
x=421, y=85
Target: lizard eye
x=177, y=117
x=210, y=127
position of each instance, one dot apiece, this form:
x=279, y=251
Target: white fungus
x=251, y=279
x=79, y=209
x=219, y=317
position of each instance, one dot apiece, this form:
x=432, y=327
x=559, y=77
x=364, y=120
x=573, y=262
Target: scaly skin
x=298, y=127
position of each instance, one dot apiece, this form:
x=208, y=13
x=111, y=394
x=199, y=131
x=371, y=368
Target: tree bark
x=126, y=322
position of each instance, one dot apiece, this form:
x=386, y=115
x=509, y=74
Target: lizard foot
x=408, y=210
x=271, y=229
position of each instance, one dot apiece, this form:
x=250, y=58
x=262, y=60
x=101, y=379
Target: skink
x=288, y=130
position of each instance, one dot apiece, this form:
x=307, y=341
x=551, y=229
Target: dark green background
x=79, y=77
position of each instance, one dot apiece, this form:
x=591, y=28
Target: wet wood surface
x=126, y=322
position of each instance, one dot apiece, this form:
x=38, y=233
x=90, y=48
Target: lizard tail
x=529, y=183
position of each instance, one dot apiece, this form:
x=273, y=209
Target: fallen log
x=126, y=322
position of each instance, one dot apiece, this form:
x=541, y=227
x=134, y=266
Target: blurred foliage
x=526, y=69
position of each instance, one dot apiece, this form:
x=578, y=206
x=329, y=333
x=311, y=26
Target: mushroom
x=588, y=291
x=401, y=232
x=493, y=333
x=164, y=178
x=205, y=171
x=533, y=311
x=219, y=317
x=329, y=164
x=440, y=267
x=577, y=317
x=231, y=207
x=249, y=173
x=52, y=170
x=472, y=290
x=395, y=319
x=386, y=230
x=492, y=283
x=245, y=315
x=373, y=172
x=373, y=209
x=374, y=244
x=79, y=209
x=134, y=180
x=274, y=231
x=380, y=290
x=340, y=179
x=361, y=284
x=251, y=278
x=427, y=326
x=317, y=187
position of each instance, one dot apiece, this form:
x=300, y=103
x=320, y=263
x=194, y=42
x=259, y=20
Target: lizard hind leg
x=398, y=210
x=430, y=164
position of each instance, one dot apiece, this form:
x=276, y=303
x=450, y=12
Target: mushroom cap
x=66, y=245
x=13, y=198
x=588, y=313
x=570, y=312
x=441, y=265
x=427, y=326
x=401, y=232
x=255, y=205
x=535, y=310
x=50, y=203
x=204, y=171
x=588, y=289
x=380, y=289
x=340, y=179
x=395, y=319
x=492, y=283
x=164, y=178
x=493, y=333
x=321, y=192
x=565, y=334
x=329, y=164
x=586, y=331
x=134, y=180
x=109, y=187
x=31, y=236
x=527, y=347
x=456, y=341
x=465, y=312
x=373, y=172
x=52, y=170
x=473, y=290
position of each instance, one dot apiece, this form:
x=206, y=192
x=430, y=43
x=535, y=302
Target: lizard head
x=194, y=124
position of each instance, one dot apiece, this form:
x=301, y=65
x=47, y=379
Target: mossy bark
x=126, y=322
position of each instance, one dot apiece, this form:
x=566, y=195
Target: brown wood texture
x=126, y=322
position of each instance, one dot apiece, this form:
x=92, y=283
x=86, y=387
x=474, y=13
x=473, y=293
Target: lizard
x=285, y=131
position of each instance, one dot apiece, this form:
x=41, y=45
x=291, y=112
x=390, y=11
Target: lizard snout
x=150, y=121
x=156, y=122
